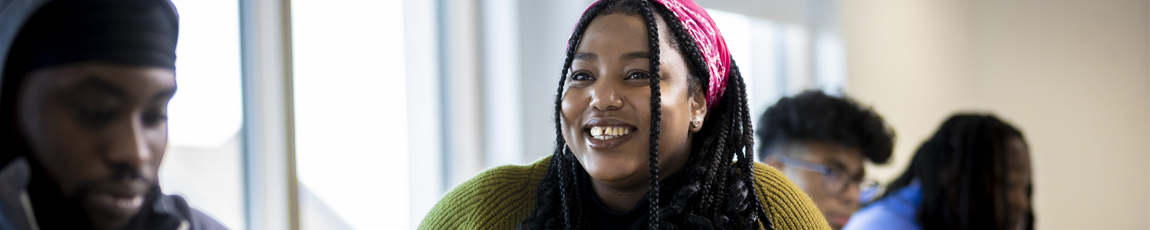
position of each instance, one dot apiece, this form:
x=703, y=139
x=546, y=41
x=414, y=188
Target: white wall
x=1073, y=75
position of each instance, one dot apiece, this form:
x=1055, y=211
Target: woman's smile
x=606, y=110
x=607, y=133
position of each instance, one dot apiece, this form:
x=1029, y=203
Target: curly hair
x=815, y=116
x=713, y=193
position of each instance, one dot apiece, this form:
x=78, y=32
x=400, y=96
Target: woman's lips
x=604, y=143
x=606, y=133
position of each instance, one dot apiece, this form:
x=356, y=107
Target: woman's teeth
x=609, y=132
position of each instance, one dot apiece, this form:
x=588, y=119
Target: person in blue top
x=973, y=173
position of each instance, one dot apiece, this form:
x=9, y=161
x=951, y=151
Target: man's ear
x=698, y=110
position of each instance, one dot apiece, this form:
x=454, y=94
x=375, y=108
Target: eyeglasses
x=835, y=182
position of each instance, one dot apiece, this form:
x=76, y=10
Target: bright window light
x=736, y=29
x=202, y=163
x=207, y=109
x=350, y=114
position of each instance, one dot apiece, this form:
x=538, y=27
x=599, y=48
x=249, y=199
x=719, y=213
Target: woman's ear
x=698, y=110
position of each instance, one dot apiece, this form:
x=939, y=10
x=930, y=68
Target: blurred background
x=361, y=114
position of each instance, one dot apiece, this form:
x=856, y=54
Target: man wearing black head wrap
x=84, y=88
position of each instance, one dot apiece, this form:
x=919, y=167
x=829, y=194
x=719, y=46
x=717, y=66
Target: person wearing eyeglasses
x=819, y=142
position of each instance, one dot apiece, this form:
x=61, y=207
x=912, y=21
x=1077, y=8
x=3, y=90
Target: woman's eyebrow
x=586, y=56
x=625, y=57
x=636, y=55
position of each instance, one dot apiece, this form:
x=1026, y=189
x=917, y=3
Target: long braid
x=560, y=144
x=749, y=142
x=559, y=155
x=565, y=175
x=720, y=141
x=718, y=168
x=1002, y=172
x=656, y=114
x=577, y=173
x=545, y=211
x=708, y=163
x=738, y=148
x=950, y=168
x=573, y=44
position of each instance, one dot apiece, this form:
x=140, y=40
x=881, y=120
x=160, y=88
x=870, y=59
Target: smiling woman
x=650, y=113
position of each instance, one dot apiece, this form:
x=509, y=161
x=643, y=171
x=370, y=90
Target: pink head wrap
x=706, y=34
x=711, y=44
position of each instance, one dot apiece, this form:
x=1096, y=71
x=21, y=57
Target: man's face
x=100, y=131
x=836, y=202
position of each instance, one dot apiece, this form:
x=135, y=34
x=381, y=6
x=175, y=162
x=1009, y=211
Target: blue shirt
x=899, y=211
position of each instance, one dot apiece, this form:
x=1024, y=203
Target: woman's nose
x=605, y=97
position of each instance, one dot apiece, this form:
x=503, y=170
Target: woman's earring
x=695, y=123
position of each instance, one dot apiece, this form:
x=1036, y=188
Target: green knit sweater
x=501, y=197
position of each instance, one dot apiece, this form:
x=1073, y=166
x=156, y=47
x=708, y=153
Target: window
x=350, y=114
x=203, y=161
x=780, y=58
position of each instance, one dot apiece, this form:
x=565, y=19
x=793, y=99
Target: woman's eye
x=638, y=75
x=580, y=76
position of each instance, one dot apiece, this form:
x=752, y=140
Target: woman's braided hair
x=962, y=173
x=713, y=193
